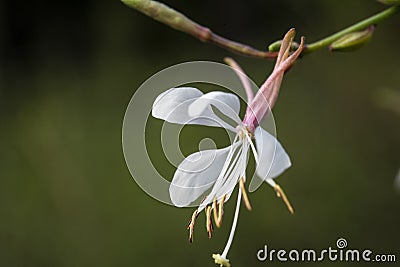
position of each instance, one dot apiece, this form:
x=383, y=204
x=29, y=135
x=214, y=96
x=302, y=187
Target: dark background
x=67, y=72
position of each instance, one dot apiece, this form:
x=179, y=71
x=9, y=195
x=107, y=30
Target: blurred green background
x=67, y=72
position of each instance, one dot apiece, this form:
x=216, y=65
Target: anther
x=215, y=209
x=281, y=194
x=244, y=194
x=218, y=212
x=191, y=226
x=209, y=224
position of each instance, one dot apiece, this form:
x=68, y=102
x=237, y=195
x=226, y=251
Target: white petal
x=227, y=103
x=228, y=178
x=273, y=159
x=173, y=106
x=196, y=174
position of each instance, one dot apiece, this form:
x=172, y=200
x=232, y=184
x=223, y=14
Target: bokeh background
x=67, y=72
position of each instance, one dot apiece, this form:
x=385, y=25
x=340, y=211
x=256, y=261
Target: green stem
x=356, y=27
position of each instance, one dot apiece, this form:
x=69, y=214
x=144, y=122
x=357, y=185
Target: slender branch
x=375, y=19
x=180, y=22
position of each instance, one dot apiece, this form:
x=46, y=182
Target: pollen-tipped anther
x=244, y=194
x=218, y=211
x=280, y=193
x=191, y=226
x=209, y=224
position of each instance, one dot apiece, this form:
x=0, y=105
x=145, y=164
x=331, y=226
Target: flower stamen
x=191, y=226
x=253, y=148
x=215, y=207
x=218, y=212
x=244, y=194
x=280, y=193
x=209, y=224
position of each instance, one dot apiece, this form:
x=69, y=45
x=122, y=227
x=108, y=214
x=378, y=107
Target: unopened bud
x=352, y=41
x=275, y=46
x=390, y=2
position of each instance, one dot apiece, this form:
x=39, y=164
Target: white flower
x=219, y=169
x=213, y=174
